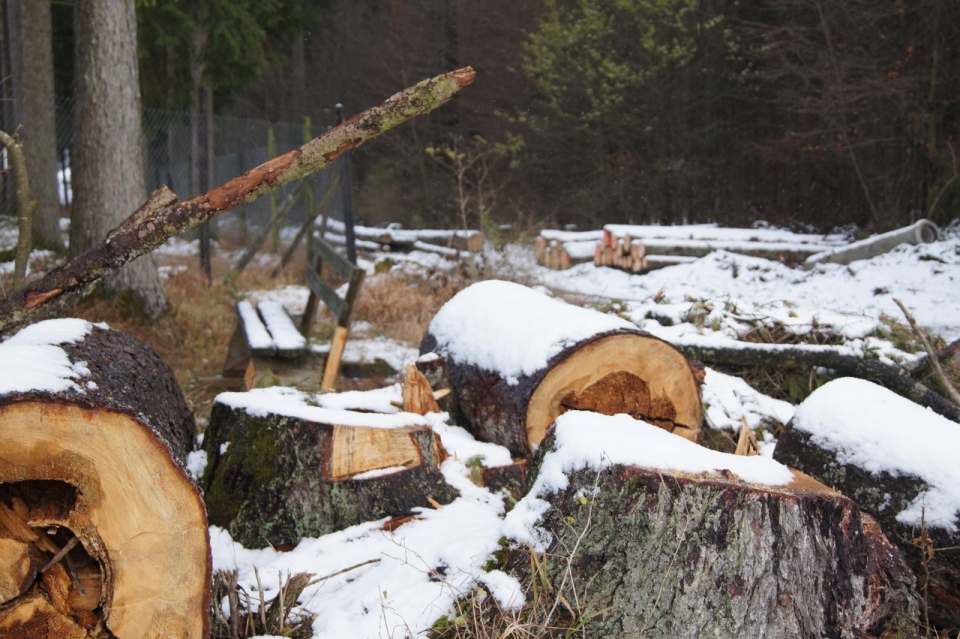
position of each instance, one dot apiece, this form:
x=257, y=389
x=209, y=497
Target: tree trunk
x=97, y=472
x=274, y=479
x=671, y=554
x=883, y=495
x=108, y=143
x=40, y=124
x=610, y=373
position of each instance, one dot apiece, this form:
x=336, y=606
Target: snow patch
x=33, y=360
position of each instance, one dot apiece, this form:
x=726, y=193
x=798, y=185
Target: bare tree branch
x=132, y=239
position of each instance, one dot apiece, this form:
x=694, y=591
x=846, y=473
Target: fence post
x=203, y=169
x=346, y=196
x=272, y=153
x=242, y=213
x=308, y=202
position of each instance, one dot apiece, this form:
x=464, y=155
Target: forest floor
x=428, y=565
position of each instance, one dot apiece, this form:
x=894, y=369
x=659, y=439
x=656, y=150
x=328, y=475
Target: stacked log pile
x=637, y=249
x=102, y=531
x=394, y=240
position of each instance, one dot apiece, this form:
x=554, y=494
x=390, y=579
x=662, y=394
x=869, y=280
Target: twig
x=129, y=243
x=340, y=572
x=60, y=555
x=953, y=178
x=934, y=361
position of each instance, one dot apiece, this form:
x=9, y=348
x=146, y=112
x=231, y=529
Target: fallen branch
x=948, y=388
x=130, y=241
x=24, y=207
x=891, y=377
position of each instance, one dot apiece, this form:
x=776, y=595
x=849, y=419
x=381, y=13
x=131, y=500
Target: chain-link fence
x=239, y=144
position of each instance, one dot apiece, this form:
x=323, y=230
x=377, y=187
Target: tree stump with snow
x=517, y=359
x=669, y=539
x=898, y=461
x=101, y=527
x=279, y=469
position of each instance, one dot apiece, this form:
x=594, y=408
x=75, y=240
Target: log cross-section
x=93, y=478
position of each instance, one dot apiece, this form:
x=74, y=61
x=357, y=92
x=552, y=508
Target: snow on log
x=898, y=461
x=922, y=232
x=516, y=359
x=665, y=538
x=280, y=468
x=99, y=520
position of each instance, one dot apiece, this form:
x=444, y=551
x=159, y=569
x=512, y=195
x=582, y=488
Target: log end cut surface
x=136, y=512
x=624, y=373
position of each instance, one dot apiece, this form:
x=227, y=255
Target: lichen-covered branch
x=131, y=240
x=25, y=206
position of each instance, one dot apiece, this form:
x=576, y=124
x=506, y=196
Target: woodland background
x=801, y=113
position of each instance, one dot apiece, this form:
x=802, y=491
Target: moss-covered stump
x=673, y=554
x=280, y=470
x=867, y=457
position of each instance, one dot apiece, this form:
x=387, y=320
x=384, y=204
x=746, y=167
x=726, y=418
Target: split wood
x=931, y=355
x=143, y=233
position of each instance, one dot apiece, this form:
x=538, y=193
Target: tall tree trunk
x=40, y=123
x=108, y=143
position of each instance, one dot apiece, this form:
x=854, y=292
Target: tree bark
x=883, y=495
x=140, y=234
x=670, y=554
x=103, y=464
x=108, y=144
x=622, y=372
x=275, y=479
x=39, y=122
x=895, y=378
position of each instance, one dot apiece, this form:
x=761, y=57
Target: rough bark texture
x=133, y=241
x=40, y=126
x=883, y=496
x=894, y=378
x=105, y=464
x=108, y=180
x=675, y=555
x=496, y=411
x=273, y=483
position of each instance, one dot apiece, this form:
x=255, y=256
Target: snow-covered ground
x=422, y=567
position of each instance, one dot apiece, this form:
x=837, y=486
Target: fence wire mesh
x=239, y=144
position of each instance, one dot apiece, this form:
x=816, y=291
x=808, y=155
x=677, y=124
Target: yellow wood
x=137, y=512
x=36, y=618
x=17, y=563
x=333, y=359
x=358, y=449
x=665, y=370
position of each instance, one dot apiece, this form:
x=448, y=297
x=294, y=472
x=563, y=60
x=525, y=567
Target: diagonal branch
x=137, y=237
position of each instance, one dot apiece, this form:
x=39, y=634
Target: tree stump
x=517, y=359
x=280, y=469
x=898, y=462
x=95, y=433
x=664, y=552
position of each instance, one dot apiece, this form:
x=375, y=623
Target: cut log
x=95, y=434
x=895, y=378
x=516, y=359
x=921, y=232
x=280, y=469
x=898, y=462
x=727, y=547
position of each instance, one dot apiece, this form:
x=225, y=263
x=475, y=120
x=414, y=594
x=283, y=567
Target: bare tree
x=31, y=52
x=108, y=143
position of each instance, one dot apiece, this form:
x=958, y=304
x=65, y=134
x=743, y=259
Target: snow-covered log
x=922, y=232
x=899, y=463
x=98, y=515
x=516, y=359
x=280, y=469
x=664, y=538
